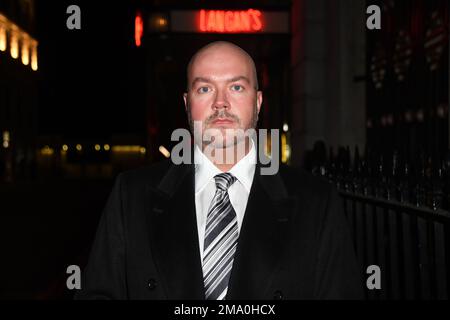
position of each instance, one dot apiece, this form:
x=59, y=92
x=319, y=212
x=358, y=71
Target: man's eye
x=203, y=90
x=237, y=87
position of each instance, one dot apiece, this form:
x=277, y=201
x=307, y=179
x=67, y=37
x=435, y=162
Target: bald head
x=220, y=52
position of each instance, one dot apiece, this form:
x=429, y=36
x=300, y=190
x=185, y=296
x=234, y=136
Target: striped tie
x=221, y=237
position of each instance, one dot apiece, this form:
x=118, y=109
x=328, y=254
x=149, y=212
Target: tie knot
x=224, y=180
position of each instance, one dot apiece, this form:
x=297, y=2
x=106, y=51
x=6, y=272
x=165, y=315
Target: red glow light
x=221, y=21
x=138, y=29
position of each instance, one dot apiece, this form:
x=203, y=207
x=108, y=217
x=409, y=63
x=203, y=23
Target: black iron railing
x=399, y=219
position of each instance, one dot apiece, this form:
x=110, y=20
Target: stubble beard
x=221, y=138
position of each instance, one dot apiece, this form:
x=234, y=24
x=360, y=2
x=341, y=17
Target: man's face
x=221, y=93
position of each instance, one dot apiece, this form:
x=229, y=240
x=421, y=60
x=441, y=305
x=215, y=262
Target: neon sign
x=226, y=21
x=138, y=29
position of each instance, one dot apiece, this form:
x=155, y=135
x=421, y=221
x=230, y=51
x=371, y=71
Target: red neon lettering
x=220, y=21
x=245, y=21
x=138, y=29
x=237, y=21
x=211, y=21
x=230, y=21
x=256, y=14
x=202, y=20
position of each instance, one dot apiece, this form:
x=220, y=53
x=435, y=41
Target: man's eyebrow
x=201, y=79
x=208, y=80
x=239, y=78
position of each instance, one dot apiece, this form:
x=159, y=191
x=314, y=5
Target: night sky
x=87, y=87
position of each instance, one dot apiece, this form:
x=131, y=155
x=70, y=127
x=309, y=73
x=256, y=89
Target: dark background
x=86, y=74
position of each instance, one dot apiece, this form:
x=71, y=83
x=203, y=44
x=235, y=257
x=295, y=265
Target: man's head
x=222, y=90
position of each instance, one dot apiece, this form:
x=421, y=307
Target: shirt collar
x=205, y=170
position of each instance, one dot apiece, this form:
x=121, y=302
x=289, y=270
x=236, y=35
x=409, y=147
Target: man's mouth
x=222, y=121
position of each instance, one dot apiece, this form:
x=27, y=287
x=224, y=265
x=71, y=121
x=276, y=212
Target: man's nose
x=221, y=100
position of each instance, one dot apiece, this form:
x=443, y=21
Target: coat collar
x=174, y=236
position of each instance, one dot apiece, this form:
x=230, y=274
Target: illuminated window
x=34, y=57
x=21, y=44
x=2, y=34
x=25, y=54
x=14, y=43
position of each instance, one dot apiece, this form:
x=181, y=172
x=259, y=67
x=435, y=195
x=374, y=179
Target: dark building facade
x=408, y=80
x=18, y=89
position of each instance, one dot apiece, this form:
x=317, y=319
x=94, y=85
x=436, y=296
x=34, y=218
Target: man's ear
x=259, y=100
x=185, y=100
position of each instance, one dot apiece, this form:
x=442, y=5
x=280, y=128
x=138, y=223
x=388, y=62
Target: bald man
x=218, y=228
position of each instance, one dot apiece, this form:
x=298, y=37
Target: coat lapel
x=173, y=234
x=262, y=238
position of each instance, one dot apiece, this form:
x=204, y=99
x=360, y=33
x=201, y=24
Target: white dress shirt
x=205, y=187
